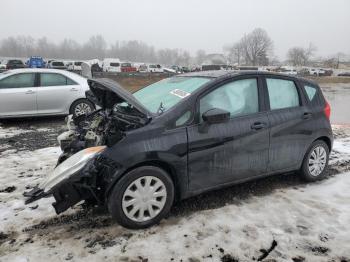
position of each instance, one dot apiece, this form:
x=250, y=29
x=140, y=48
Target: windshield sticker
x=180, y=93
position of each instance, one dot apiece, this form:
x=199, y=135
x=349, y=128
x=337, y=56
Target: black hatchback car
x=184, y=135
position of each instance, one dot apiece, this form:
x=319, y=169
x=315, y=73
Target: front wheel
x=81, y=107
x=142, y=197
x=315, y=161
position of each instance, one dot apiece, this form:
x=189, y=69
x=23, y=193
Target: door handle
x=307, y=115
x=29, y=92
x=74, y=89
x=258, y=125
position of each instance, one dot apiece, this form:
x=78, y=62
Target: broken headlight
x=70, y=166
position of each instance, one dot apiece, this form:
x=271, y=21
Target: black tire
x=73, y=107
x=305, y=170
x=117, y=194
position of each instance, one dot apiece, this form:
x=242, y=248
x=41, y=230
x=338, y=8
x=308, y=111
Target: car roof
x=217, y=74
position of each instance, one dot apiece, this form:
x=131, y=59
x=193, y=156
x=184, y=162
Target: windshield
x=168, y=92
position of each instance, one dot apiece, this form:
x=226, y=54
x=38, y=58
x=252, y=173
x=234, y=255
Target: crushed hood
x=106, y=93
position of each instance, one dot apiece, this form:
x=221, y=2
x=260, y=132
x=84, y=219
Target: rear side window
x=238, y=97
x=282, y=93
x=52, y=79
x=310, y=91
x=18, y=81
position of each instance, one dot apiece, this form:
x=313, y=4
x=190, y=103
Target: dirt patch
x=8, y=189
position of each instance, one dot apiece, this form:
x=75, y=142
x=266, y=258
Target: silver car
x=42, y=92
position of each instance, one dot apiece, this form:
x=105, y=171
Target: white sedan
x=42, y=92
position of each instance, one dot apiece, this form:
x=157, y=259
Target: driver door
x=231, y=151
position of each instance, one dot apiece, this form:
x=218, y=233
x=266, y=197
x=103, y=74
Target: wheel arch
x=165, y=166
x=79, y=99
x=325, y=139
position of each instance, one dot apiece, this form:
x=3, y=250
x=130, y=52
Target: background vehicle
x=111, y=65
x=344, y=74
x=36, y=62
x=155, y=68
x=127, y=67
x=13, y=64
x=143, y=68
x=2, y=66
x=317, y=72
x=74, y=66
x=153, y=146
x=36, y=92
x=56, y=65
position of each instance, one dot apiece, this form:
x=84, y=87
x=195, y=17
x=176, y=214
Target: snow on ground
x=297, y=221
x=10, y=132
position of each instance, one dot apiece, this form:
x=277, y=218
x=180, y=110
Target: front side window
x=162, y=95
x=282, y=93
x=239, y=98
x=52, y=79
x=183, y=119
x=18, y=81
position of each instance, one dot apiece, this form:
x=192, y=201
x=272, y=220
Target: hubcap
x=317, y=160
x=144, y=198
x=81, y=109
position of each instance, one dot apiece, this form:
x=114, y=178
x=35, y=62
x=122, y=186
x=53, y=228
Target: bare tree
x=235, y=53
x=256, y=47
x=299, y=56
x=252, y=49
x=200, y=56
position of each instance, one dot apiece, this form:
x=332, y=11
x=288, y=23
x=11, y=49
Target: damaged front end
x=82, y=172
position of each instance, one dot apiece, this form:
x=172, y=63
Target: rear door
x=235, y=150
x=18, y=95
x=56, y=93
x=290, y=122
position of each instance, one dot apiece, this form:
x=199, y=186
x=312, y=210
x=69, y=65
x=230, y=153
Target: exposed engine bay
x=81, y=170
x=101, y=127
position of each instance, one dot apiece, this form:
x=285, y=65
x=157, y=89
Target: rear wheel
x=315, y=161
x=142, y=197
x=81, y=107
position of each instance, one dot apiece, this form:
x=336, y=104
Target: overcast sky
x=187, y=24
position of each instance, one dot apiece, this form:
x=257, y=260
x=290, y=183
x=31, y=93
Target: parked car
x=111, y=65
x=39, y=92
x=185, y=135
x=344, y=74
x=2, y=66
x=36, y=62
x=13, y=64
x=53, y=64
x=316, y=72
x=74, y=66
x=143, y=68
x=127, y=67
x=155, y=68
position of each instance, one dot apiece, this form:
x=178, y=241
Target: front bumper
x=66, y=196
x=33, y=195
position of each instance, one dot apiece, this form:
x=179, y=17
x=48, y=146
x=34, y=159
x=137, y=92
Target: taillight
x=327, y=110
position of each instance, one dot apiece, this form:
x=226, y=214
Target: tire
x=80, y=107
x=122, y=211
x=307, y=172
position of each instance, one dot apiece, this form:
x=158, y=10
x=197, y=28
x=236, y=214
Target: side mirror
x=216, y=115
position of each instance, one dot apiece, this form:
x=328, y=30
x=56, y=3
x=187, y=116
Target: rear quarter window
x=310, y=92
